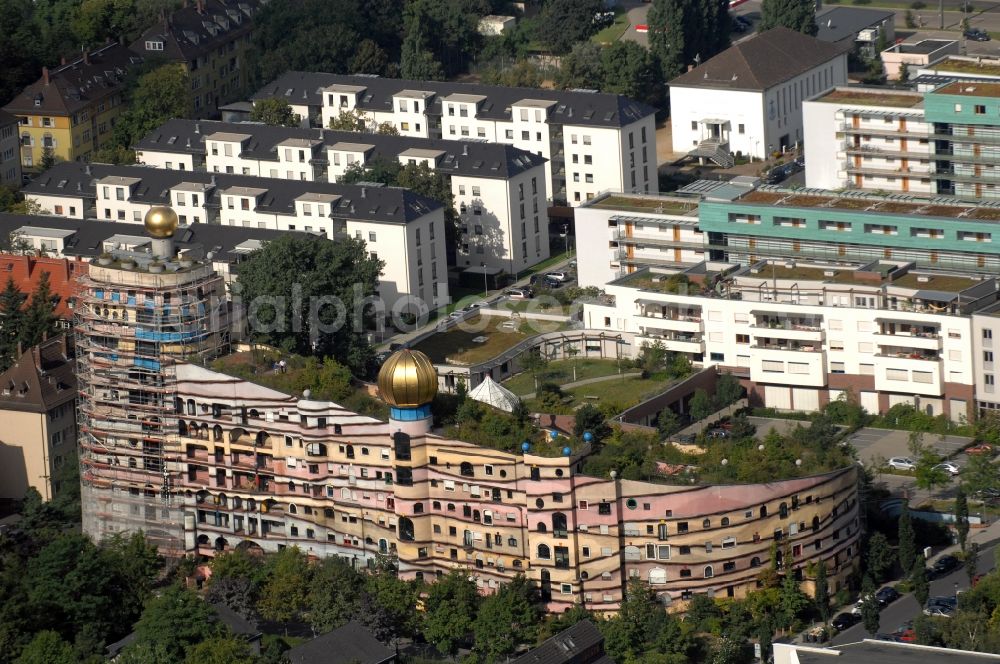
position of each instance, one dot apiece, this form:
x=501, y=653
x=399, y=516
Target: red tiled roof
x=26, y=271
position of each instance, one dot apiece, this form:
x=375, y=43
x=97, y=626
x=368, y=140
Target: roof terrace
x=647, y=203
x=969, y=66
x=862, y=96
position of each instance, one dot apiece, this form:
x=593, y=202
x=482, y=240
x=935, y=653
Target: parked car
x=982, y=448
x=902, y=463
x=844, y=621
x=519, y=294
x=887, y=595
x=718, y=433
x=781, y=173
x=948, y=467
x=556, y=276
x=858, y=606
x=975, y=34
x=906, y=635
x=950, y=602
x=943, y=565
x=939, y=611
x=552, y=283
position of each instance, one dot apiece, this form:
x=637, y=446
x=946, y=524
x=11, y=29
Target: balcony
x=905, y=341
x=678, y=343
x=911, y=373
x=791, y=329
x=788, y=364
x=672, y=318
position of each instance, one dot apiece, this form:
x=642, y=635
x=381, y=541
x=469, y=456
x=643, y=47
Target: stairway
x=712, y=149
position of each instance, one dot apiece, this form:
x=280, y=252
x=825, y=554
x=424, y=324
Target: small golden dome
x=161, y=221
x=407, y=379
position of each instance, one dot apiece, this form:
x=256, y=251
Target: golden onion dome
x=161, y=221
x=407, y=379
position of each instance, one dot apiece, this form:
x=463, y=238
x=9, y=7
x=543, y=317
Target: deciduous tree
x=274, y=111
x=451, y=610
x=323, y=269
x=283, y=597
x=869, y=606
x=798, y=15
x=563, y=23
x=919, y=581
x=879, y=557
x=47, y=647
x=506, y=619
x=175, y=621
x=961, y=516
x=907, y=548
x=822, y=594
x=159, y=95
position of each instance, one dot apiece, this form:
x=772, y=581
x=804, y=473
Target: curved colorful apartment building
x=206, y=462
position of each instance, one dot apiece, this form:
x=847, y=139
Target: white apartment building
x=400, y=227
x=593, y=142
x=868, y=138
x=10, y=151
x=619, y=234
x=747, y=100
x=500, y=191
x=800, y=335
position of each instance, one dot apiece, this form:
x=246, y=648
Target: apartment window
x=987, y=334
x=371, y=236
x=980, y=109
x=694, y=125
x=741, y=129
x=525, y=135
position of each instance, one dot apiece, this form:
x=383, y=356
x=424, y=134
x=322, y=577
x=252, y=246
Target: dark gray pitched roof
x=345, y=645
x=77, y=84
x=7, y=119
x=761, y=62
x=582, y=643
x=382, y=204
x=572, y=107
x=471, y=158
x=887, y=652
x=198, y=28
x=839, y=23
x=89, y=235
x=42, y=378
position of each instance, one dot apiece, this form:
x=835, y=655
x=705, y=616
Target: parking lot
x=874, y=443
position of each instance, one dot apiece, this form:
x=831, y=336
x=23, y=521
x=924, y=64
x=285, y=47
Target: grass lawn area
x=613, y=32
x=456, y=346
x=623, y=393
x=561, y=372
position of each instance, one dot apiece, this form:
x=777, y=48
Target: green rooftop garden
x=477, y=339
x=866, y=97
x=644, y=204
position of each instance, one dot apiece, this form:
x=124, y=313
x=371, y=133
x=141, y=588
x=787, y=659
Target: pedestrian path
x=587, y=381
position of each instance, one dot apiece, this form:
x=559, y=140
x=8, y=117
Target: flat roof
x=227, y=137
x=970, y=89
x=872, y=97
x=967, y=65
x=776, y=196
x=925, y=46
x=935, y=282
x=650, y=203
x=889, y=652
x=38, y=231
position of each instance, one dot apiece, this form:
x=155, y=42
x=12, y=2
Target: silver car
x=902, y=463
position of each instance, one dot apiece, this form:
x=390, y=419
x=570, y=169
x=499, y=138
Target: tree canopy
x=320, y=311
x=798, y=15
x=274, y=111
x=683, y=32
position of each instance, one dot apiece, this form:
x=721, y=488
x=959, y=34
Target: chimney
x=465, y=150
x=20, y=349
x=200, y=4
x=62, y=61
x=45, y=73
x=36, y=354
x=86, y=57
x=86, y=169
x=363, y=192
x=197, y=127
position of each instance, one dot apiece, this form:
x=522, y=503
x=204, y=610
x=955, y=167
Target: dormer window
x=154, y=45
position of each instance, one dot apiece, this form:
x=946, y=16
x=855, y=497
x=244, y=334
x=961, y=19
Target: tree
x=869, y=606
x=879, y=557
x=369, y=59
x=961, y=516
x=793, y=600
x=730, y=651
x=987, y=428
x=582, y=67
x=667, y=422
x=928, y=475
x=239, y=594
x=350, y=120
x=972, y=562
x=727, y=390
x=918, y=580
x=798, y=15
x=47, y=647
x=590, y=418
x=274, y=111
x=523, y=74
x=175, y=621
x=333, y=595
x=980, y=474
x=418, y=61
x=451, y=609
x=682, y=32
x=563, y=23
x=158, y=96
x=48, y=159
x=822, y=594
x=700, y=406
x=397, y=598
x=12, y=302
x=221, y=650
x=327, y=273
x=134, y=563
x=630, y=69
x=506, y=619
x=283, y=597
x=118, y=155
x=39, y=321
x=907, y=551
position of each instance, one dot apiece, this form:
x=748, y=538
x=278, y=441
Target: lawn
x=623, y=393
x=561, y=372
x=457, y=345
x=613, y=32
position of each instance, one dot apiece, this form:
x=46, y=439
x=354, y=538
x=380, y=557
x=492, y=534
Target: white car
x=948, y=467
x=518, y=294
x=902, y=463
x=556, y=276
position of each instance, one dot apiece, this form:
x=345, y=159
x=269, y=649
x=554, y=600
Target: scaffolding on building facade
x=131, y=326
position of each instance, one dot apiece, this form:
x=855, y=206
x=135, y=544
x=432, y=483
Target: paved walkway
x=588, y=381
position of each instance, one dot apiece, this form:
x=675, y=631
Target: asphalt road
x=906, y=608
